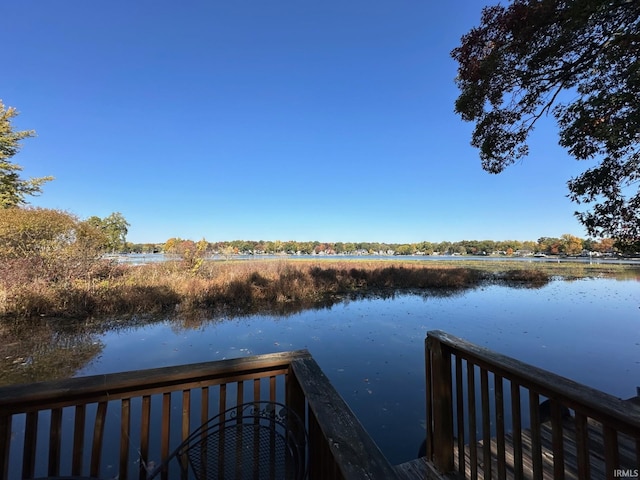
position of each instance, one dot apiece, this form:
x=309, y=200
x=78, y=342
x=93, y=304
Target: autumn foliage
x=235, y=287
x=276, y=286
x=49, y=259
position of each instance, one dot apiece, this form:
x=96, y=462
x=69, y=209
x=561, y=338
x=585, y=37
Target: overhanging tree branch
x=513, y=69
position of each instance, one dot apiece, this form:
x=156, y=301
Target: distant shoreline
x=142, y=258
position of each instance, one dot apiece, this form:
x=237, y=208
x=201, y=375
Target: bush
x=49, y=262
x=47, y=244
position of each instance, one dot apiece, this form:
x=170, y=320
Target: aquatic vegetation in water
x=260, y=286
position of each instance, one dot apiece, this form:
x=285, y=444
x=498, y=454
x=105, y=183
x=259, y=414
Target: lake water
x=144, y=258
x=372, y=350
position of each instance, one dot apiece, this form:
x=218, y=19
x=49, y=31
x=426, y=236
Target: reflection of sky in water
x=373, y=350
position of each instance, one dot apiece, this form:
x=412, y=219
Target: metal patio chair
x=257, y=441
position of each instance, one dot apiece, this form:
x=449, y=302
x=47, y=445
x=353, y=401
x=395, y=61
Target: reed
x=244, y=287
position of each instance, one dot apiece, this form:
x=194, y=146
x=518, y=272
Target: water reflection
x=39, y=349
x=36, y=350
x=193, y=319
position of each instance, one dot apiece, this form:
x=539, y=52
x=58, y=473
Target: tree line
x=566, y=244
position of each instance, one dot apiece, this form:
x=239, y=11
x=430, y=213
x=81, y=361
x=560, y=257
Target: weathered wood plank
x=78, y=440
x=471, y=406
x=165, y=432
x=105, y=391
x=186, y=413
x=604, y=436
x=256, y=390
x=272, y=388
x=73, y=391
x=429, y=393
x=536, y=445
x=204, y=405
x=145, y=425
x=317, y=454
x=125, y=431
x=55, y=437
x=355, y=453
x=29, y=451
x=412, y=469
x=516, y=419
x=222, y=400
x=557, y=440
x=98, y=438
x=5, y=442
x=239, y=401
x=595, y=467
x=459, y=410
x=611, y=456
x=582, y=445
x=500, y=439
x=442, y=409
x=598, y=405
x=296, y=402
x=420, y=468
x=240, y=394
x=486, y=418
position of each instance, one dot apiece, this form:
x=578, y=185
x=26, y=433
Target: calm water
x=373, y=350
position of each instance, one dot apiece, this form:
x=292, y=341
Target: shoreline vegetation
x=270, y=286
x=52, y=265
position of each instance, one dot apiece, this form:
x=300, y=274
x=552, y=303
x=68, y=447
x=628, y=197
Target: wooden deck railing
x=496, y=426
x=121, y=425
x=340, y=446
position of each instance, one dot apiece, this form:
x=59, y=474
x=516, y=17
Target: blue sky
x=272, y=120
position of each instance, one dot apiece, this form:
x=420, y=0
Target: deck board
x=420, y=468
x=596, y=453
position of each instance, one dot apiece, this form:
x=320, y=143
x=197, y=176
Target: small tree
x=571, y=245
x=48, y=244
x=115, y=228
x=192, y=253
x=14, y=189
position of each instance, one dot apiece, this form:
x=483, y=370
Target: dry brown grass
x=244, y=287
x=234, y=287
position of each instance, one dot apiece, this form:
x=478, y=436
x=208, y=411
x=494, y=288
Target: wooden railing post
x=442, y=404
x=5, y=442
x=605, y=427
x=295, y=400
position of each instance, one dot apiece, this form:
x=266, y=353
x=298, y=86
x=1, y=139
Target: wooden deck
x=597, y=462
x=122, y=425
x=485, y=419
x=421, y=468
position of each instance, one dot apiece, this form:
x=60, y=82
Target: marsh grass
x=262, y=286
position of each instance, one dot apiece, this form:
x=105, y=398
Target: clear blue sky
x=278, y=119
